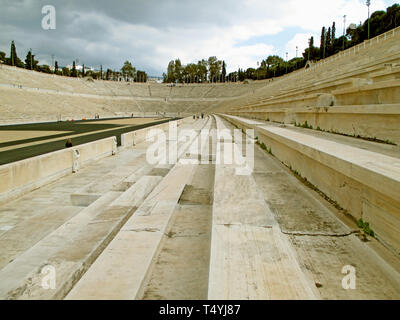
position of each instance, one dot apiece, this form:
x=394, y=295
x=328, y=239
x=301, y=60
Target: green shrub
x=365, y=227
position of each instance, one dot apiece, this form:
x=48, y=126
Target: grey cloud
x=82, y=25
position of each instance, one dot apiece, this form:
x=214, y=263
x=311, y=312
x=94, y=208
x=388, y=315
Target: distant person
x=69, y=143
x=194, y=117
x=202, y=115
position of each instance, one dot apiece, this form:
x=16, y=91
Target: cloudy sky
x=150, y=33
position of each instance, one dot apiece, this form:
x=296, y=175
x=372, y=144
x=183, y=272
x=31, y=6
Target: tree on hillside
x=170, y=76
x=108, y=74
x=311, y=53
x=273, y=61
x=73, y=71
x=56, y=67
x=214, y=68
x=30, y=62
x=339, y=43
x=233, y=76
x=141, y=76
x=93, y=74
x=13, y=60
x=44, y=68
x=2, y=57
x=333, y=36
x=223, y=71
x=392, y=19
x=270, y=65
x=377, y=23
x=66, y=72
x=355, y=35
x=241, y=75
x=251, y=74
x=190, y=73
x=178, y=71
x=328, y=42
x=13, y=54
x=323, y=43
x=202, y=70
x=380, y=22
x=310, y=46
x=128, y=70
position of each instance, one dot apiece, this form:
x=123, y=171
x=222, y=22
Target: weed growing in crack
x=365, y=227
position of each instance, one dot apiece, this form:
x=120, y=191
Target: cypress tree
x=73, y=73
x=328, y=42
x=30, y=62
x=223, y=71
x=13, y=54
x=322, y=46
x=333, y=36
x=310, y=48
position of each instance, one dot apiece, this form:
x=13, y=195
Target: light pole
x=286, y=61
x=368, y=4
x=344, y=29
x=297, y=49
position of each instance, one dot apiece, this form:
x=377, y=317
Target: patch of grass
x=170, y=234
x=374, y=139
x=365, y=227
x=306, y=125
x=322, y=194
x=387, y=141
x=264, y=147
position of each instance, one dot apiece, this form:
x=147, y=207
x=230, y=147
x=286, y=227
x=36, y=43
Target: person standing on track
x=69, y=143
